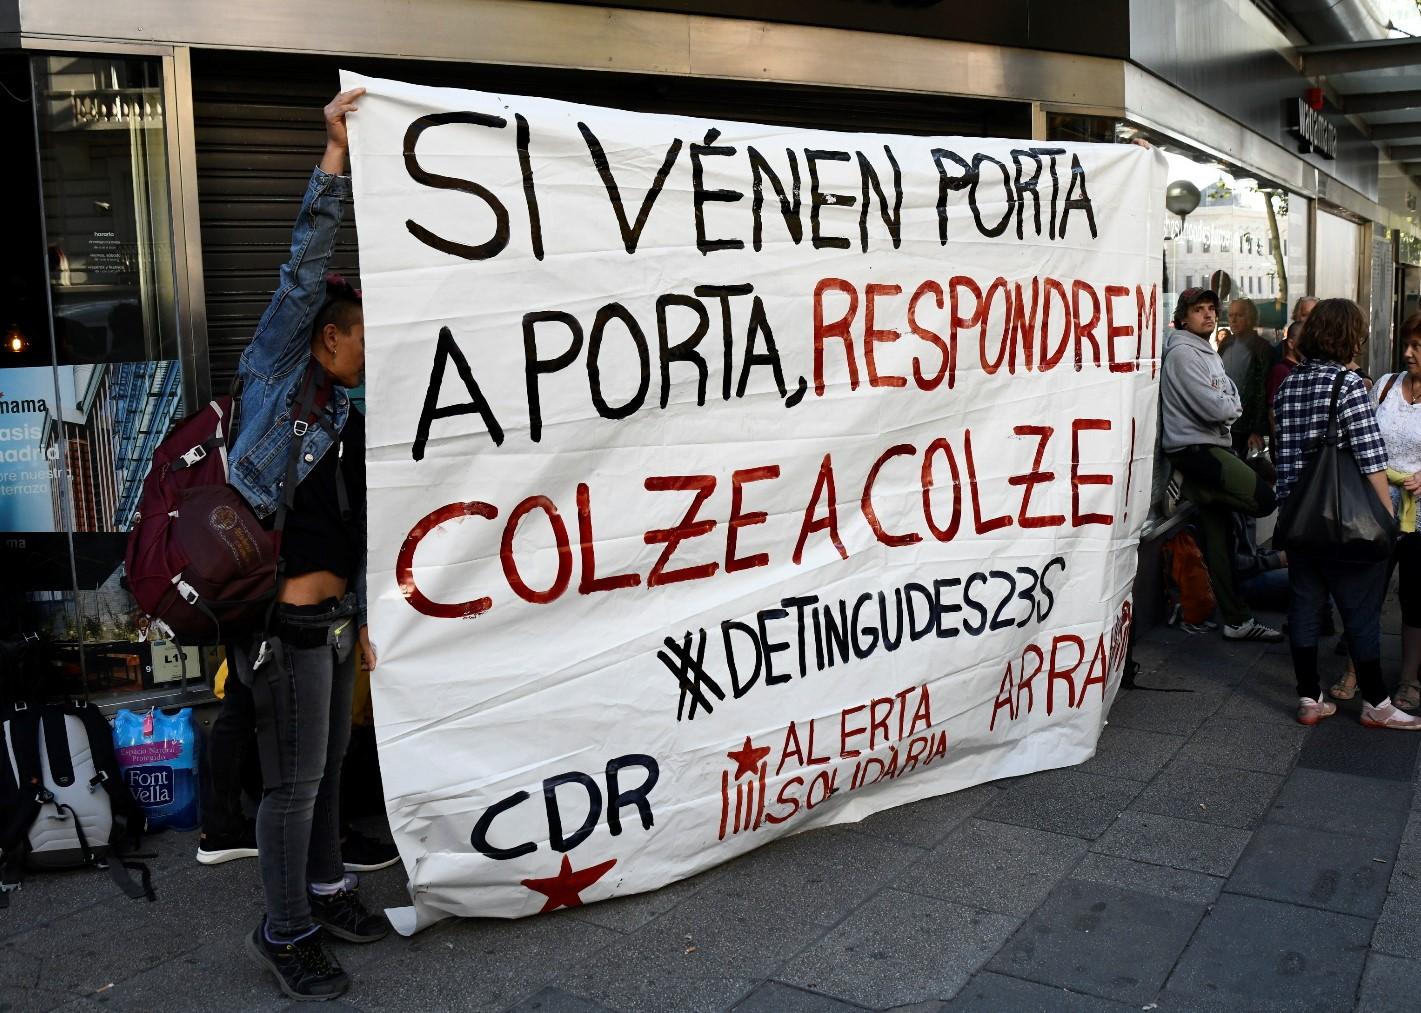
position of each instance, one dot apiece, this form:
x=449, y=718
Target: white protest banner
x=732, y=480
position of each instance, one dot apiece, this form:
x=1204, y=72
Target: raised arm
x=283, y=337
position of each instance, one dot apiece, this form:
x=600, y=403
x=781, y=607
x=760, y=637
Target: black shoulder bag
x=1333, y=511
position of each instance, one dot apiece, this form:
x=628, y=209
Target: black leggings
x=1408, y=586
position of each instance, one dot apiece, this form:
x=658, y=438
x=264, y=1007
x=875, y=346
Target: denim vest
x=274, y=364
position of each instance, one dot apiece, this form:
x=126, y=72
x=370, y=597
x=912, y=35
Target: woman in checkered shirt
x=1332, y=336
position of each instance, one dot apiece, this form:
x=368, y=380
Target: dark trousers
x=1219, y=484
x=230, y=761
x=1408, y=587
x=302, y=694
x=1358, y=590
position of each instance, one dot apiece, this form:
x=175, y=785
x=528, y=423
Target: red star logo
x=563, y=889
x=747, y=758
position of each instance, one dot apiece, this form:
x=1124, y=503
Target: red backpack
x=198, y=559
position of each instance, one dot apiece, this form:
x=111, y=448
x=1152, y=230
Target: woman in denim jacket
x=309, y=348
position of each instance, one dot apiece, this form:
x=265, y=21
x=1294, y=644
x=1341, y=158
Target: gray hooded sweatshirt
x=1198, y=401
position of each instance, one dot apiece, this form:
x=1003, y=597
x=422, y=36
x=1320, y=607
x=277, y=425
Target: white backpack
x=64, y=801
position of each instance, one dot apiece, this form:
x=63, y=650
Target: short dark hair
x=1334, y=331
x=1410, y=328
x=342, y=306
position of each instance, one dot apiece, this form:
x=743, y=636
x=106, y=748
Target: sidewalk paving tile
x=1175, y=843
x=755, y=932
x=1389, y=984
x=29, y=999
x=1179, y=884
x=221, y=971
x=1398, y=931
x=49, y=897
x=554, y=1000
x=777, y=997
x=632, y=982
x=1343, y=803
x=1263, y=700
x=1267, y=746
x=1063, y=802
x=23, y=968
x=1171, y=713
x=79, y=951
x=481, y=963
x=1101, y=939
x=827, y=872
x=996, y=866
x=997, y=993
x=627, y=914
x=1259, y=954
x=925, y=823
x=1132, y=753
x=1314, y=868
x=1205, y=793
x=900, y=948
x=1344, y=746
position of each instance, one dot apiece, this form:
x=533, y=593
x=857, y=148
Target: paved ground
x=1213, y=856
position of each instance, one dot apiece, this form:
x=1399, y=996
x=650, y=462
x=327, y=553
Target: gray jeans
x=302, y=691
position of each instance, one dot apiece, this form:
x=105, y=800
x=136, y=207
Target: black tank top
x=317, y=537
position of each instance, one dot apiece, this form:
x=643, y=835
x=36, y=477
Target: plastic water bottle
x=157, y=753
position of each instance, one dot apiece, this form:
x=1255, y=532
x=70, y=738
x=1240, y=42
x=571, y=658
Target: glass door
x=101, y=368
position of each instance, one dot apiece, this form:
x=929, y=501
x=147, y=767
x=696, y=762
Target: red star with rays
x=563, y=889
x=747, y=758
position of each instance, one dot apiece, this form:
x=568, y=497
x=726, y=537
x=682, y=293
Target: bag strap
x=306, y=409
x=1386, y=387
x=56, y=746
x=108, y=774
x=1333, y=425
x=304, y=405
x=239, y=383
x=129, y=820
x=21, y=729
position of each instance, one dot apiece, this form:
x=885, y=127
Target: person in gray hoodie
x=1198, y=406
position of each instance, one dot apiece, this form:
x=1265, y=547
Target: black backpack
x=63, y=800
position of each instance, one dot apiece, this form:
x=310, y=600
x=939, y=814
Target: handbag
x=1333, y=511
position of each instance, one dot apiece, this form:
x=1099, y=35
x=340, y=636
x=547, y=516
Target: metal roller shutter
x=259, y=133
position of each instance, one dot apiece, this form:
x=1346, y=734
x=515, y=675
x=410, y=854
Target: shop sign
x=1314, y=132
x=728, y=481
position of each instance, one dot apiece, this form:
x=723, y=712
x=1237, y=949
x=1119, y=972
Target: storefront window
x=98, y=382
x=1338, y=249
x=1408, y=281
x=1238, y=239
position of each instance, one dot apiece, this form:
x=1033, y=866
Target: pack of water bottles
x=158, y=754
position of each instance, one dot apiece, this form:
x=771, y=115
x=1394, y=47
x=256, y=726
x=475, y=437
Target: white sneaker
x=1388, y=715
x=1252, y=629
x=1311, y=711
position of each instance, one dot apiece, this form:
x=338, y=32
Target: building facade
x=170, y=142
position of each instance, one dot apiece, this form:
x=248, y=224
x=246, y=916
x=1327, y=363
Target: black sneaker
x=303, y=969
x=366, y=854
x=214, y=849
x=345, y=917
